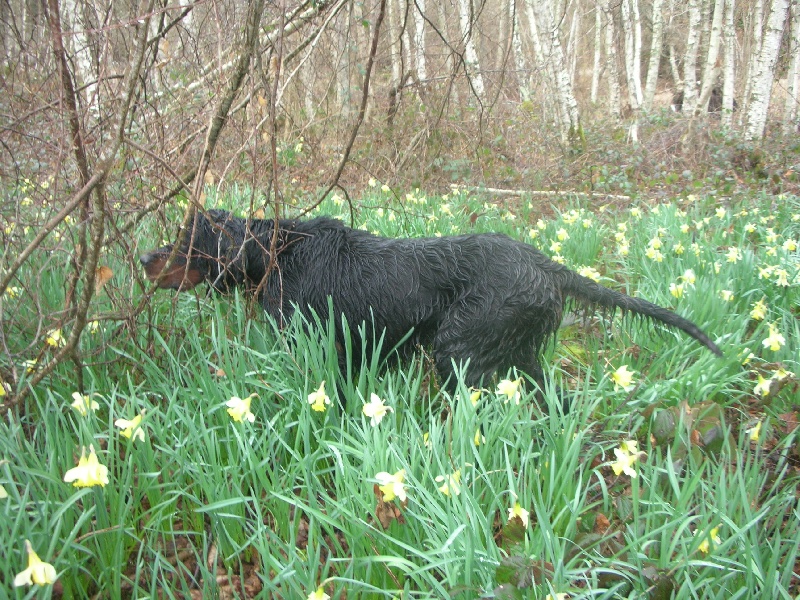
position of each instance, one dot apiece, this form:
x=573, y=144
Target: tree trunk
x=418, y=11
x=790, y=113
x=764, y=73
x=690, y=58
x=754, y=47
x=730, y=66
x=570, y=125
x=519, y=55
x=611, y=63
x=712, y=67
x=473, y=67
x=655, y=55
x=598, y=47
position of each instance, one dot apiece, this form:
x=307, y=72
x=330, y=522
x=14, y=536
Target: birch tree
x=473, y=67
x=611, y=63
x=654, y=62
x=729, y=67
x=790, y=112
x=630, y=24
x=419, y=39
x=598, y=49
x=712, y=66
x=519, y=55
x=764, y=72
x=690, y=58
x=752, y=49
x=570, y=125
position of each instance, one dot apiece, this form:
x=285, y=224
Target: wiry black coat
x=484, y=297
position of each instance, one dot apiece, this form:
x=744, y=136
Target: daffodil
x=754, y=432
x=131, y=429
x=89, y=471
x=782, y=277
x=392, y=486
x=654, y=254
x=590, y=273
x=713, y=536
x=55, y=338
x=726, y=295
x=721, y=212
x=38, y=571
x=624, y=463
x=557, y=596
x=562, y=234
x=319, y=399
x=555, y=247
x=521, y=513
x=775, y=339
x=790, y=245
x=478, y=439
x=509, y=389
x=474, y=396
x=452, y=483
x=759, y=311
x=623, y=378
x=734, y=255
x=375, y=409
x=83, y=404
x=676, y=289
x=318, y=594
x=763, y=387
x=11, y=292
x=239, y=408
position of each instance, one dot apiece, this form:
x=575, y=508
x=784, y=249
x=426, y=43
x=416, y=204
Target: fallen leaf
x=102, y=276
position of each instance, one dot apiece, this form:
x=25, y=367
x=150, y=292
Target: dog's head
x=203, y=253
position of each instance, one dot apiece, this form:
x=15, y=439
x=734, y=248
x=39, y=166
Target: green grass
x=288, y=503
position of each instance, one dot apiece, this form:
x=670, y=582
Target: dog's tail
x=585, y=290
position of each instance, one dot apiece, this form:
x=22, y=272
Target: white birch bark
x=764, y=72
x=632, y=55
x=395, y=55
x=655, y=55
x=570, y=125
x=78, y=43
x=598, y=48
x=611, y=63
x=712, y=66
x=519, y=55
x=473, y=66
x=729, y=68
x=574, y=36
x=419, y=39
x=690, y=58
x=757, y=16
x=790, y=112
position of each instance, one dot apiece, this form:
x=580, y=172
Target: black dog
x=483, y=297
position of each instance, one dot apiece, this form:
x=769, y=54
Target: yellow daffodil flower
x=38, y=571
x=589, y=272
x=318, y=594
x=762, y=387
x=376, y=409
x=775, y=339
x=726, y=295
x=713, y=536
x=509, y=389
x=754, y=432
x=518, y=511
x=478, y=439
x=89, y=471
x=55, y=338
x=319, y=399
x=759, y=311
x=452, y=483
x=83, y=404
x=623, y=378
x=392, y=486
x=131, y=429
x=239, y=408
